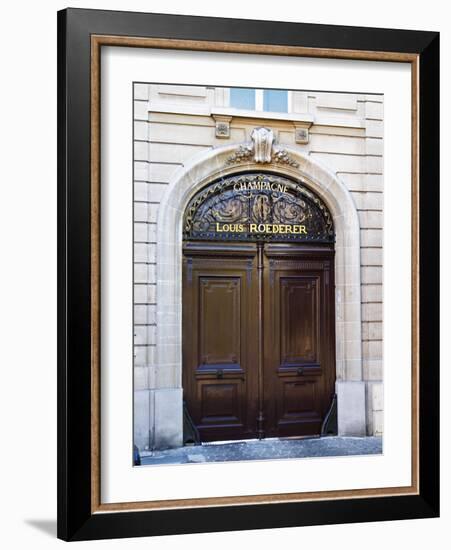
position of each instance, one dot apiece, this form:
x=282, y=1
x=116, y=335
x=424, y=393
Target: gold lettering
x=260, y=186
x=282, y=229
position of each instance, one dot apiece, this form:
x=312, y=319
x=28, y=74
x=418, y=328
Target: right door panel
x=299, y=342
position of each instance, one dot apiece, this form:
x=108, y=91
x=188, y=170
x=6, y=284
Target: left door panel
x=219, y=336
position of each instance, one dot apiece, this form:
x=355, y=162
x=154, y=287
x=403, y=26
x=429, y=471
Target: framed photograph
x=248, y=274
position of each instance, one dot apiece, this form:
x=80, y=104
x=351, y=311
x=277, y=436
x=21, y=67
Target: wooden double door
x=258, y=338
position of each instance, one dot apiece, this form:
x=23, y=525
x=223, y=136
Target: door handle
x=300, y=371
x=219, y=373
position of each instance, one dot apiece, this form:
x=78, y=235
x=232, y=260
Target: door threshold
x=255, y=440
x=229, y=442
x=295, y=437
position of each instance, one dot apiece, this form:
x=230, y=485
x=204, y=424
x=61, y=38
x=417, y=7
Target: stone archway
x=190, y=178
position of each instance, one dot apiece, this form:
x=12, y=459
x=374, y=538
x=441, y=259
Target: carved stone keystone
x=262, y=150
x=263, y=139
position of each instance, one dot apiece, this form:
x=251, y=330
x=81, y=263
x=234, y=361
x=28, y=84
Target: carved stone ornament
x=282, y=157
x=242, y=154
x=257, y=206
x=222, y=126
x=263, y=139
x=262, y=150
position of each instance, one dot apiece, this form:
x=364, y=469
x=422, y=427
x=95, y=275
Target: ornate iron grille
x=250, y=207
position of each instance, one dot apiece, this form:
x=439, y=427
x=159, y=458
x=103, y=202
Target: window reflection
x=259, y=100
x=275, y=100
x=242, y=98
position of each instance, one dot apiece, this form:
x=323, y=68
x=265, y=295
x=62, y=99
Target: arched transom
x=257, y=206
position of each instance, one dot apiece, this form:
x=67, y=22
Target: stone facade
x=183, y=138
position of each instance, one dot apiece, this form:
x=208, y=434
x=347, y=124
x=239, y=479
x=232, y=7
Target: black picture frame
x=76, y=520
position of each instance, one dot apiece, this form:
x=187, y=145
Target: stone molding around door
x=190, y=178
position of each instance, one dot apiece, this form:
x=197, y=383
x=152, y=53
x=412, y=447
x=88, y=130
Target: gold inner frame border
x=97, y=41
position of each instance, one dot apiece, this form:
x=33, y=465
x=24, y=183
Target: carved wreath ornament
x=261, y=150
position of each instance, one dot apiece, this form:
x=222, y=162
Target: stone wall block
x=145, y=293
x=351, y=408
x=373, y=369
x=372, y=293
x=141, y=273
x=374, y=110
x=145, y=232
x=141, y=91
x=370, y=219
x=372, y=330
x=141, y=130
x=162, y=173
x=140, y=110
x=378, y=422
x=141, y=413
x=139, y=356
x=374, y=146
x=378, y=397
x=371, y=237
x=372, y=350
x=141, y=150
x=174, y=152
x=141, y=212
x=374, y=128
x=372, y=312
x=140, y=189
x=371, y=275
x=168, y=418
x=140, y=378
x=372, y=256
x=141, y=171
x=368, y=200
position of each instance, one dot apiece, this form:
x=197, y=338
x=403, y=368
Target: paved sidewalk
x=266, y=449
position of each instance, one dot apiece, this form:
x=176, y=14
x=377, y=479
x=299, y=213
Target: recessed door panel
x=299, y=317
x=219, y=320
x=221, y=402
x=298, y=409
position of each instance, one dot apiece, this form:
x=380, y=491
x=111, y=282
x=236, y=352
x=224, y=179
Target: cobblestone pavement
x=266, y=449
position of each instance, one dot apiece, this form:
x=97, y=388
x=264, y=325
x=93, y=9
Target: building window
x=242, y=98
x=275, y=101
